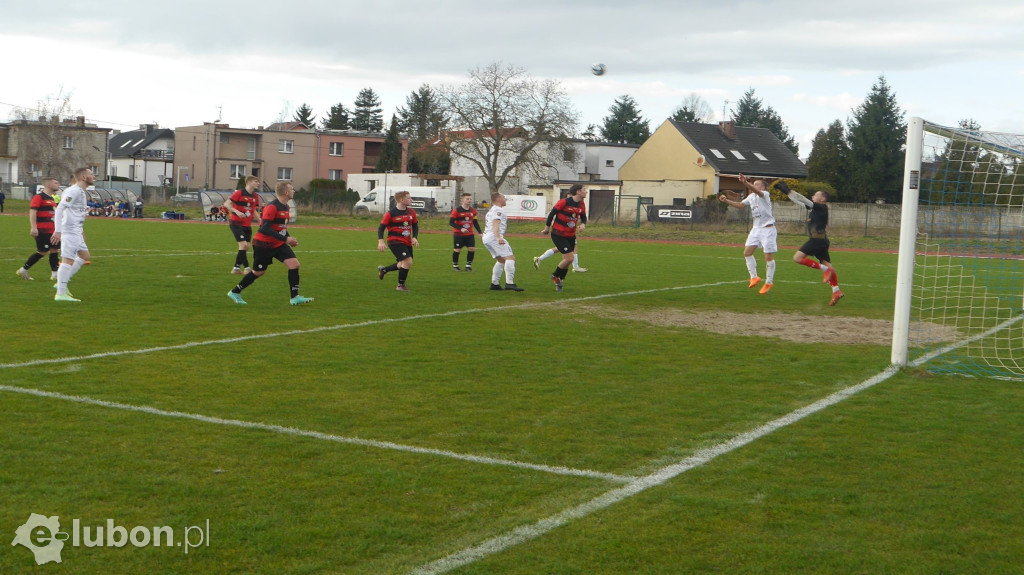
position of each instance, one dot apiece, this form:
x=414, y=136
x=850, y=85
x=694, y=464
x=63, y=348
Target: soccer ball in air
x=598, y=69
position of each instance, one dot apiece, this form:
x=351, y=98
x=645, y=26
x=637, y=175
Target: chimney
x=54, y=119
x=728, y=129
x=42, y=118
x=80, y=121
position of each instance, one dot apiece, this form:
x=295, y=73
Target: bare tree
x=51, y=137
x=693, y=109
x=505, y=122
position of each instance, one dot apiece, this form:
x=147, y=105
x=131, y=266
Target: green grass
x=919, y=474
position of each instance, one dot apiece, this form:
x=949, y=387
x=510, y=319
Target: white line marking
x=554, y=469
x=368, y=323
x=527, y=532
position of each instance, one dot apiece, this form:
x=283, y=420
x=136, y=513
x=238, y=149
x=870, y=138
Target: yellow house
x=682, y=162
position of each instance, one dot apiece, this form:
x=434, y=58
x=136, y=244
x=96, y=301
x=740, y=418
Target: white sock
x=547, y=254
x=496, y=272
x=751, y=266
x=510, y=272
x=770, y=267
x=63, y=275
x=575, y=261
x=79, y=262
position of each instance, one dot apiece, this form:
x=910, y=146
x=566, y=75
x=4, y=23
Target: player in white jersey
x=69, y=230
x=762, y=234
x=494, y=241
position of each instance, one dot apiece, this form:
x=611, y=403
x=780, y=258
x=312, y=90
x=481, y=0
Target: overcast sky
x=126, y=63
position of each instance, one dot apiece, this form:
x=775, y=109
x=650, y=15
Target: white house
x=145, y=155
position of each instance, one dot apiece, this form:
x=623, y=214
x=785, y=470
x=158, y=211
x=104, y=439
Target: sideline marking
x=337, y=327
x=554, y=469
x=525, y=533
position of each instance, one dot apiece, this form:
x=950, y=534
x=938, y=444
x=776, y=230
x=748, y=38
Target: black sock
x=561, y=273
x=32, y=259
x=54, y=261
x=455, y=259
x=242, y=259
x=402, y=274
x=469, y=259
x=391, y=268
x=293, y=281
x=246, y=282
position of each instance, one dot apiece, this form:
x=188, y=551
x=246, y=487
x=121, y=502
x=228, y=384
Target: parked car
x=185, y=198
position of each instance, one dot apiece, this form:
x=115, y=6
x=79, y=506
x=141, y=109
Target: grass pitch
x=455, y=428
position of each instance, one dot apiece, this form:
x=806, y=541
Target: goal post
x=960, y=268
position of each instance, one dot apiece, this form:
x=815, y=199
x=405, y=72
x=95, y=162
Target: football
x=598, y=69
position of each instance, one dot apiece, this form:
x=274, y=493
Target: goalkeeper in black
x=817, y=243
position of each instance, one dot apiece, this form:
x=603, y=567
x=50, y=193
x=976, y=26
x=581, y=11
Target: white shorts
x=497, y=250
x=71, y=244
x=765, y=238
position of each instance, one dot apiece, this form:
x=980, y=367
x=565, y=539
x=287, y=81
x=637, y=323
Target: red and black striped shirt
x=44, y=205
x=401, y=226
x=274, y=228
x=243, y=201
x=464, y=220
x=566, y=215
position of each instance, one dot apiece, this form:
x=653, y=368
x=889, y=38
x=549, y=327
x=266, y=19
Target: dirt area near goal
x=794, y=327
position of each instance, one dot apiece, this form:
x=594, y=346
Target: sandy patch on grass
x=794, y=327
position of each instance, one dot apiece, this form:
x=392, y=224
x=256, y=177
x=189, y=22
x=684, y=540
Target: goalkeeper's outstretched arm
x=793, y=196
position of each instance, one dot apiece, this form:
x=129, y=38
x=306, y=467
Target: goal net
x=960, y=278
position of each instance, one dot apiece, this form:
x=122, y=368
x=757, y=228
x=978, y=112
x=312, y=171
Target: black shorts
x=400, y=250
x=241, y=233
x=817, y=248
x=464, y=241
x=564, y=244
x=262, y=257
x=43, y=242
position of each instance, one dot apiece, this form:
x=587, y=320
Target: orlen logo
x=528, y=205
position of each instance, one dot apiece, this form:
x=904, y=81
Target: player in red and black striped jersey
x=40, y=219
x=272, y=242
x=402, y=228
x=463, y=220
x=567, y=217
x=243, y=211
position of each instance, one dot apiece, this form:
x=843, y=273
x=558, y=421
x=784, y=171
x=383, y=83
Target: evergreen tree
x=751, y=113
x=876, y=135
x=304, y=115
x=826, y=162
x=366, y=114
x=422, y=117
x=391, y=150
x=423, y=120
x=624, y=124
x=590, y=134
x=337, y=118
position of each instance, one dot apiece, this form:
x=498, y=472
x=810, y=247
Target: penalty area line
x=368, y=323
x=526, y=533
x=552, y=469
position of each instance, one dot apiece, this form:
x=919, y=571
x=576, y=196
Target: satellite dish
x=701, y=160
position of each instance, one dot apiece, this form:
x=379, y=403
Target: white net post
x=908, y=242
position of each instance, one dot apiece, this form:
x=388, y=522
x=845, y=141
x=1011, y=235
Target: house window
x=224, y=139
x=760, y=156
x=609, y=163
x=738, y=155
x=193, y=143
x=717, y=154
x=69, y=142
x=336, y=149
x=251, y=153
x=237, y=171
x=284, y=173
x=286, y=146
x=333, y=174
